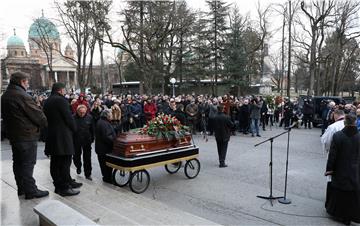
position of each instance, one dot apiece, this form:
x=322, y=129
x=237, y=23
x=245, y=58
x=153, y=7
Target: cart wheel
x=120, y=177
x=173, y=167
x=139, y=181
x=192, y=168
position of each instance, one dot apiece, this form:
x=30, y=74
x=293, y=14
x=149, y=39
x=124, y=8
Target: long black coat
x=85, y=130
x=244, y=113
x=104, y=137
x=61, y=126
x=223, y=127
x=22, y=117
x=344, y=159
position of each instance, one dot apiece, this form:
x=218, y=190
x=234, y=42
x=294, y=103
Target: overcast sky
x=20, y=14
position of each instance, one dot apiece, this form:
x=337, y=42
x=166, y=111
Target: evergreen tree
x=199, y=57
x=235, y=53
x=216, y=36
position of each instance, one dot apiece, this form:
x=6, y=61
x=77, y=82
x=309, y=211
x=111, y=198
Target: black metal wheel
x=120, y=177
x=139, y=181
x=192, y=168
x=173, y=167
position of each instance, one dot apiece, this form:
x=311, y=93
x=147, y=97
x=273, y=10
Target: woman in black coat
x=104, y=137
x=343, y=193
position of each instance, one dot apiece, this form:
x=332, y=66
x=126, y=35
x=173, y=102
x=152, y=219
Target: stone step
x=106, y=204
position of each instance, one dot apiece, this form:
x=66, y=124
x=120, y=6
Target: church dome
x=15, y=41
x=42, y=27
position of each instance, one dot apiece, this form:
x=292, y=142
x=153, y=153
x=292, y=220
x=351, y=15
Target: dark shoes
x=89, y=178
x=75, y=184
x=258, y=135
x=223, y=165
x=37, y=194
x=67, y=192
x=78, y=171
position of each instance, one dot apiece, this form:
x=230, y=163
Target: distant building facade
x=39, y=61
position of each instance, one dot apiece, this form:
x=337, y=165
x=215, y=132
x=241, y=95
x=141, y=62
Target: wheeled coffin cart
x=133, y=170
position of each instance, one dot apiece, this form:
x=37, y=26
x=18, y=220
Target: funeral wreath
x=165, y=126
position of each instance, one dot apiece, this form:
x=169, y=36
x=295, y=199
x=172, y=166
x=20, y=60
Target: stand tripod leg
x=270, y=198
x=284, y=200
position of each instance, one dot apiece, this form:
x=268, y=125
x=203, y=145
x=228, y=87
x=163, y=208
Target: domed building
x=15, y=46
x=17, y=59
x=44, y=63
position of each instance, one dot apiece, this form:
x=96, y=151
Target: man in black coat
x=263, y=113
x=222, y=128
x=23, y=120
x=59, y=143
x=343, y=193
x=83, y=137
x=308, y=111
x=288, y=112
x=104, y=137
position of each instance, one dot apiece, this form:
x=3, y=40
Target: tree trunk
x=103, y=86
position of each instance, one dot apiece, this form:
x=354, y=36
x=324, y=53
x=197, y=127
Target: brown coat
x=23, y=118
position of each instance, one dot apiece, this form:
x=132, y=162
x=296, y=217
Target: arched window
x=22, y=53
x=15, y=53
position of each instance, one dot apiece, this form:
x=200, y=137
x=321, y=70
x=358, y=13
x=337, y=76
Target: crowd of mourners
x=69, y=123
x=250, y=114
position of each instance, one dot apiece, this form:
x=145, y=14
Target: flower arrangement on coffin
x=165, y=126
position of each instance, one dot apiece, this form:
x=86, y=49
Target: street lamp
x=173, y=81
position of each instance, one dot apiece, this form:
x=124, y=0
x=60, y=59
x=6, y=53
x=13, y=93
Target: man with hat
x=23, y=120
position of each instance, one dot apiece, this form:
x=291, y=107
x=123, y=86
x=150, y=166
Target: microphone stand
x=284, y=200
x=271, y=139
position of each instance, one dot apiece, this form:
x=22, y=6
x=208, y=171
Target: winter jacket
x=22, y=118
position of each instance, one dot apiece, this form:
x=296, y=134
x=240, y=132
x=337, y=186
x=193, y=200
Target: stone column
x=67, y=79
x=75, y=79
x=56, y=77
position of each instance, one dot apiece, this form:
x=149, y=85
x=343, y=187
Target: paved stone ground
x=224, y=196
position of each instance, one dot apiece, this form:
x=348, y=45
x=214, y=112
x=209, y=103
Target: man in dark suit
x=23, y=120
x=222, y=128
x=59, y=143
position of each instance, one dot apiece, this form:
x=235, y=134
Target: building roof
x=42, y=27
x=15, y=41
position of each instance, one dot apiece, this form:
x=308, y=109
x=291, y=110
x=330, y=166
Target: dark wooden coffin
x=133, y=144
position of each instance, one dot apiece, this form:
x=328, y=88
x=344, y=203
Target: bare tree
x=277, y=76
x=346, y=30
x=75, y=17
x=99, y=9
x=317, y=12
